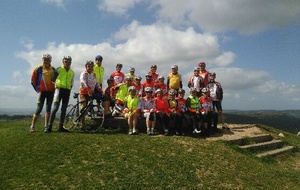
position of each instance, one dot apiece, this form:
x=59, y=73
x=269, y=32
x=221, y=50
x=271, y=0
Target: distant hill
x=287, y=120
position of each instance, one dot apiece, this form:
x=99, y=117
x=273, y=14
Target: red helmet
x=202, y=64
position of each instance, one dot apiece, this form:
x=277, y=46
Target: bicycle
x=90, y=118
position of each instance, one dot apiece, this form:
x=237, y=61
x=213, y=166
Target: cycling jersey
x=216, y=91
x=118, y=77
x=132, y=103
x=139, y=89
x=196, y=82
x=161, y=105
x=88, y=83
x=65, y=78
x=99, y=71
x=174, y=81
x=154, y=77
x=41, y=78
x=122, y=92
x=206, y=104
x=182, y=104
x=205, y=75
x=163, y=87
x=192, y=103
x=147, y=104
x=173, y=106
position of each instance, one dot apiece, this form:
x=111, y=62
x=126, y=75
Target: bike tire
x=94, y=119
x=71, y=116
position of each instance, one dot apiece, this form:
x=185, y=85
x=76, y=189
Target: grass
x=115, y=160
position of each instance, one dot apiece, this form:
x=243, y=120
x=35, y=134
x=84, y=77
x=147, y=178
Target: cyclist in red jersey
x=206, y=110
x=204, y=73
x=153, y=73
x=162, y=111
x=108, y=100
x=118, y=76
x=148, y=83
x=138, y=86
x=162, y=85
x=41, y=80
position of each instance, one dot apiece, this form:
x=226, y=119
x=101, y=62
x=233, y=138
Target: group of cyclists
x=155, y=98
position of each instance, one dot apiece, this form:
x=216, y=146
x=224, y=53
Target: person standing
x=99, y=69
x=41, y=80
x=216, y=93
x=196, y=81
x=204, y=73
x=64, y=78
x=174, y=79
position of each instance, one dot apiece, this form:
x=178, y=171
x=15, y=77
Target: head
x=98, y=59
x=148, y=77
x=212, y=76
x=193, y=91
x=148, y=91
x=159, y=92
x=172, y=93
x=196, y=71
x=138, y=79
x=110, y=82
x=202, y=66
x=132, y=90
x=128, y=80
x=161, y=79
x=89, y=66
x=131, y=70
x=67, y=61
x=205, y=91
x=153, y=68
x=119, y=67
x=181, y=93
x=47, y=58
x=174, y=69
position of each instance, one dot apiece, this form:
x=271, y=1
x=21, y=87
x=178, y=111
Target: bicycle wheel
x=93, y=119
x=71, y=116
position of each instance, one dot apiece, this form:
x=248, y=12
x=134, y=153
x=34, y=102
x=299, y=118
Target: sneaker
x=166, y=132
x=130, y=132
x=134, y=131
x=32, y=129
x=196, y=131
x=148, y=132
x=47, y=130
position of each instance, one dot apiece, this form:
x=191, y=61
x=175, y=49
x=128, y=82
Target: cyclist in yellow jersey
x=174, y=79
x=63, y=84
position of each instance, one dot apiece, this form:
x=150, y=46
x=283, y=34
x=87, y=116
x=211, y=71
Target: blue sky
x=252, y=45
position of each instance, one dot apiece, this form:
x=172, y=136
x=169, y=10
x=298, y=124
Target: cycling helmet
x=212, y=74
x=131, y=69
x=205, y=89
x=128, y=78
x=174, y=67
x=148, y=75
x=196, y=68
x=202, y=64
x=138, y=78
x=98, y=58
x=193, y=89
x=172, y=92
x=181, y=91
x=47, y=56
x=154, y=66
x=158, y=91
x=89, y=63
x=131, y=88
x=67, y=58
x=148, y=89
x=161, y=77
x=119, y=65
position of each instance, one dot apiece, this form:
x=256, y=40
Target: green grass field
x=115, y=160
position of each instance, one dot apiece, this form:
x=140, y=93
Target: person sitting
x=132, y=109
x=148, y=110
x=193, y=108
x=206, y=109
x=174, y=112
x=162, y=111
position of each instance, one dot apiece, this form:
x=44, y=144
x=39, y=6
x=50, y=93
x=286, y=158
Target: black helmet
x=98, y=58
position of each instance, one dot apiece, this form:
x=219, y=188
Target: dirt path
x=237, y=131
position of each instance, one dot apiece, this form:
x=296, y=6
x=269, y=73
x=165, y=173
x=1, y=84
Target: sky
x=252, y=45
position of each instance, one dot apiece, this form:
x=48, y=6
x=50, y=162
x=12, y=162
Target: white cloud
x=247, y=16
x=118, y=7
x=59, y=3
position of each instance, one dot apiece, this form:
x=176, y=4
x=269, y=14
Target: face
x=128, y=82
x=174, y=70
x=181, y=95
x=196, y=72
x=118, y=69
x=137, y=81
x=193, y=93
x=67, y=63
x=89, y=68
x=148, y=78
x=161, y=80
x=98, y=62
x=153, y=69
x=159, y=94
x=202, y=67
x=132, y=92
x=149, y=94
x=46, y=62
